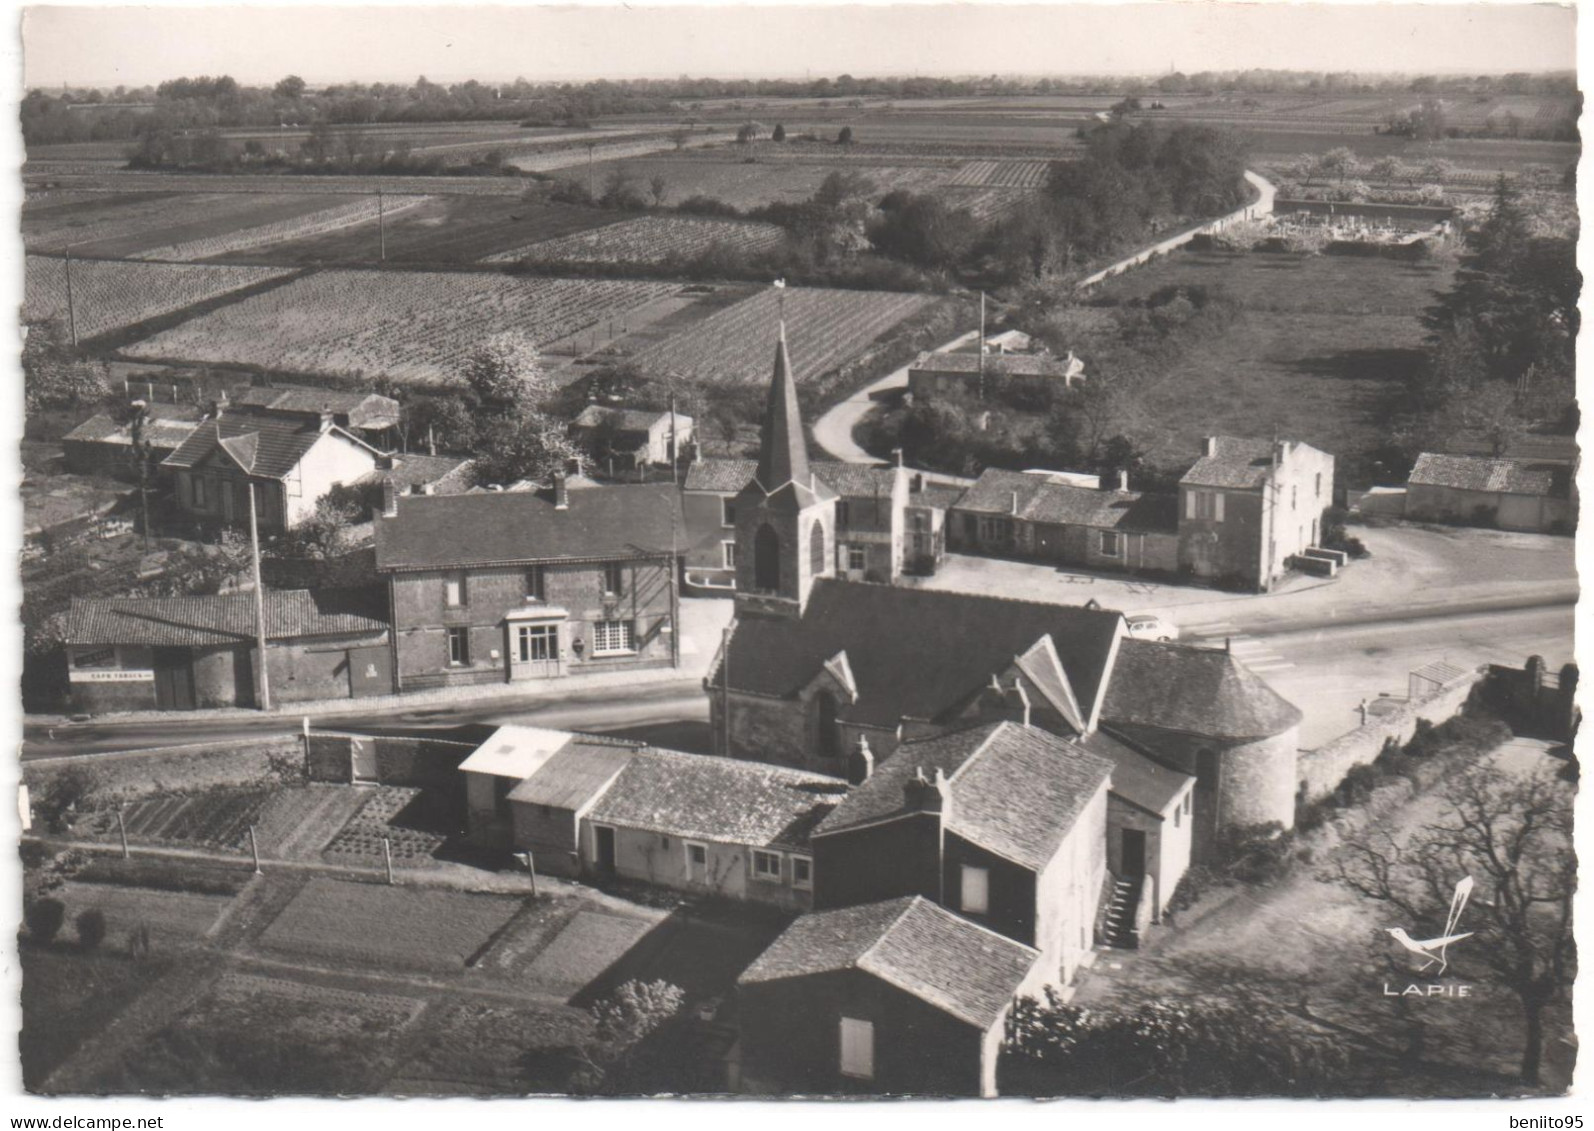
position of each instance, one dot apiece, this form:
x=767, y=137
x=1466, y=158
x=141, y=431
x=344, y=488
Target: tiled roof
x=1038, y=499
x=1238, y=463
x=782, y=447
x=165, y=429
x=581, y=770
x=1205, y=691
x=1016, y=790
x=725, y=475
x=722, y=799
x=364, y=410
x=916, y=653
x=604, y=523
x=277, y=445
x=626, y=419
x=1484, y=473
x=1135, y=777
x=857, y=480
x=911, y=943
x=940, y=496
x=223, y=619
x=1018, y=365
x=416, y=470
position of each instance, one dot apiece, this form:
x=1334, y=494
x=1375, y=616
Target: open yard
x=1318, y=353
x=374, y=925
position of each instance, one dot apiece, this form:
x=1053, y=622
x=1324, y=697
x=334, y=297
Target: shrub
x=1255, y=854
x=197, y=877
x=44, y=918
x=91, y=928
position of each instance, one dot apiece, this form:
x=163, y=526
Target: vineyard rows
x=129, y=219
x=411, y=326
x=1001, y=174
x=109, y=294
x=824, y=329
x=648, y=239
x=984, y=204
x=361, y=211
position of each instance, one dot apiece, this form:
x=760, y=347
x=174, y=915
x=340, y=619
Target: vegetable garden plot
x=648, y=239
x=108, y=294
x=824, y=329
x=1001, y=174
x=362, y=211
x=412, y=326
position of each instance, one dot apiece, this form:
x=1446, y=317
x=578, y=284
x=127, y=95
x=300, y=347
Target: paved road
x=833, y=431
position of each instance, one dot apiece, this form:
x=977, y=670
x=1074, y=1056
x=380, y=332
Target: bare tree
x=659, y=186
x=1513, y=835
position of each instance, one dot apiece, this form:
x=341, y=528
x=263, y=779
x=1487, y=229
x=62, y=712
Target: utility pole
x=260, y=602
x=982, y=345
x=381, y=224
x=71, y=311
x=591, y=191
x=675, y=446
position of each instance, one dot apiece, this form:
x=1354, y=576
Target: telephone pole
x=260, y=602
x=381, y=224
x=982, y=345
x=71, y=312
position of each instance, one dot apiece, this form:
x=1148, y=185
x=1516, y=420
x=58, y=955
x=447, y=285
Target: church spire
x=782, y=450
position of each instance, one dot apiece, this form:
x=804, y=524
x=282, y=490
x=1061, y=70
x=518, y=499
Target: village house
x=599, y=807
x=103, y=446
x=181, y=653
x=638, y=437
x=415, y=473
x=1248, y=508
x=1513, y=493
x=1003, y=823
x=899, y=997
x=370, y=416
x=289, y=461
x=966, y=376
x=515, y=585
x=1051, y=517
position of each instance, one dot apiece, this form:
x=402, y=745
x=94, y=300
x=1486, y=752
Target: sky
x=135, y=46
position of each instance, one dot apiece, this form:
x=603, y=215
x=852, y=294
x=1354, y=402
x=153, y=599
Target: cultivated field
x=109, y=295
x=649, y=239
x=725, y=176
x=1317, y=355
x=1000, y=174
x=407, y=325
x=824, y=328
x=443, y=230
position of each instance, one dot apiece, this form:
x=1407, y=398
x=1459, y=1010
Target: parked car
x=1149, y=626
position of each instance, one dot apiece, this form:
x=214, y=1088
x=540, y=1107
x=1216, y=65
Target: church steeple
x=782, y=450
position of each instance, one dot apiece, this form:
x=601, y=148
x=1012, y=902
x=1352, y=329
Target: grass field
x=67, y=997
x=723, y=175
x=172, y=917
x=412, y=326
x=381, y=926
x=443, y=230
x=824, y=328
x=1317, y=355
x=473, y=1048
x=110, y=295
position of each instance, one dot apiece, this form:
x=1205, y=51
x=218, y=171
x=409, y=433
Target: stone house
x=898, y=997
x=1003, y=823
x=290, y=461
x=370, y=416
x=638, y=436
x=1538, y=495
x=101, y=446
x=936, y=376
x=515, y=585
x=182, y=653
x=1248, y=507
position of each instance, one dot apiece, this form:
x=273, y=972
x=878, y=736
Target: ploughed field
x=648, y=239
x=111, y=295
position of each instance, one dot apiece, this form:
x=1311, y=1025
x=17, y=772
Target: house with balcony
x=500, y=586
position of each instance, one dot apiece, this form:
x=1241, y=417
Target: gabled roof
x=413, y=470
x=626, y=419
x=266, y=445
x=222, y=619
x=363, y=410
x=167, y=427
x=846, y=479
x=1204, y=691
x=1239, y=463
x=1137, y=778
x=577, y=774
x=724, y=475
x=782, y=448
x=910, y=943
x=915, y=653
x=604, y=523
x=1016, y=790
x=721, y=799
x=1495, y=475
x=515, y=751
x=1035, y=498
x=857, y=480
x=1017, y=365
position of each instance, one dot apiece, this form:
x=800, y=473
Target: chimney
x=428, y=488
x=1281, y=448
x=1209, y=447
x=896, y=456
x=327, y=421
x=573, y=465
x=1123, y=480
x=1013, y=505
x=389, y=499
x=918, y=482
x=561, y=492
x=861, y=765
x=928, y=794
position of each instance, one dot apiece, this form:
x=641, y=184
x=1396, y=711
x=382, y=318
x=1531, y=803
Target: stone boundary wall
x=1320, y=771
x=422, y=762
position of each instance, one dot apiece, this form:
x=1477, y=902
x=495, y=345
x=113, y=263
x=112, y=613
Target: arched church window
x=816, y=549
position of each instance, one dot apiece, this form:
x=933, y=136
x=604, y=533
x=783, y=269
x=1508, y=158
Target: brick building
x=513, y=585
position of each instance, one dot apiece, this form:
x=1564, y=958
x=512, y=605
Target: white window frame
x=982, y=878
x=614, y=578
x=856, y=1036
x=601, y=630
x=686, y=854
x=758, y=862
x=728, y=511
x=456, y=594
x=728, y=554
x=536, y=583
x=799, y=882
x=463, y=636
x=857, y=558
x=525, y=633
x=1111, y=538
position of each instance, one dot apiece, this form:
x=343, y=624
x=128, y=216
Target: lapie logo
x=1436, y=951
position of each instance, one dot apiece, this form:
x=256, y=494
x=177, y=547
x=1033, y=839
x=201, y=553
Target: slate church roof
x=1193, y=690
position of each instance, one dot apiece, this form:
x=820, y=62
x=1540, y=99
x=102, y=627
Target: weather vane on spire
x=780, y=300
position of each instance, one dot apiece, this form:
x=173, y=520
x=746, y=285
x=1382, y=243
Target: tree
x=1512, y=833
x=506, y=372
x=142, y=454
x=1386, y=169
x=324, y=534
x=746, y=133
x=44, y=918
x=529, y=445
x=90, y=928
x=1339, y=163
x=622, y=1022
x=291, y=88
x=680, y=137
x=1163, y=1048
x=779, y=134
x=659, y=186
x=844, y=136
x=55, y=374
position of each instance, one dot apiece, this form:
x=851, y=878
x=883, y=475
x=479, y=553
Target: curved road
x=833, y=431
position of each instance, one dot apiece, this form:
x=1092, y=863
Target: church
x=832, y=675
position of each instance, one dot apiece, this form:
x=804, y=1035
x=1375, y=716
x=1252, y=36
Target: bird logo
x=1433, y=950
